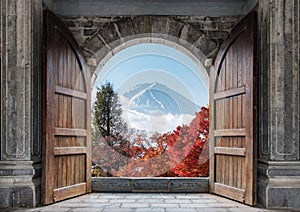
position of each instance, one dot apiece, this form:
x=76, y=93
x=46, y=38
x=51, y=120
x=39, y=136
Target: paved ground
x=125, y=202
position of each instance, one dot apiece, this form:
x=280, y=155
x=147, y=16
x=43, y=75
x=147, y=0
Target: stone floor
x=144, y=202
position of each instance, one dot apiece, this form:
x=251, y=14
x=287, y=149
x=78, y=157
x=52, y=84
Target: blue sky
x=148, y=63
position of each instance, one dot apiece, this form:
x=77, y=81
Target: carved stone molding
x=279, y=80
x=19, y=184
x=20, y=79
x=278, y=181
x=279, y=184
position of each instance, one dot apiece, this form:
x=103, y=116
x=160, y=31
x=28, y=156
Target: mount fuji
x=155, y=107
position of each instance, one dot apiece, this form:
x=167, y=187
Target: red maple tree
x=182, y=153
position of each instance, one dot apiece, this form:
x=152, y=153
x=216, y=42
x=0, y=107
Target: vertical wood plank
x=235, y=109
x=212, y=126
x=87, y=108
x=59, y=172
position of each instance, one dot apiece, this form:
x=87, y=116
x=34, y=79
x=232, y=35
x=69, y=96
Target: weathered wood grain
x=233, y=119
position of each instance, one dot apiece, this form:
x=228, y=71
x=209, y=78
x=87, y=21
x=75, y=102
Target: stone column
x=278, y=151
x=20, y=144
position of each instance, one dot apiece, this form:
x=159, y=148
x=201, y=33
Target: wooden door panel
x=233, y=115
x=66, y=144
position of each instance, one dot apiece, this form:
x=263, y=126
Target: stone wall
x=150, y=185
x=279, y=155
x=20, y=152
x=102, y=34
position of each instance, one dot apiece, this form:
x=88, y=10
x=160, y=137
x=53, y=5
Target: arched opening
x=162, y=91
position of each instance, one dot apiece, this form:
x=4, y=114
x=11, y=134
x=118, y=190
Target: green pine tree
x=107, y=118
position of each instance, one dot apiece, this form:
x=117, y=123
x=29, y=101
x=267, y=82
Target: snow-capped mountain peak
x=155, y=107
x=149, y=97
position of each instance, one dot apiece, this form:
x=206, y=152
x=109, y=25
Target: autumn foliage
x=181, y=153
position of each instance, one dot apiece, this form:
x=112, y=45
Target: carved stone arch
x=105, y=54
x=99, y=37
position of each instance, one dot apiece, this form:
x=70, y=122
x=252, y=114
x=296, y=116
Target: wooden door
x=66, y=141
x=233, y=115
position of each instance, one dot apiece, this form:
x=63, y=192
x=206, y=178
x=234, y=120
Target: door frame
x=80, y=57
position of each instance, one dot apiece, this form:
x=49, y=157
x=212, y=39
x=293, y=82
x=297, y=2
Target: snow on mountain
x=155, y=107
x=146, y=98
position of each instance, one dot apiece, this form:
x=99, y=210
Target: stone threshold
x=151, y=184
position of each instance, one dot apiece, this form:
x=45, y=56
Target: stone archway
x=102, y=37
x=151, y=184
x=104, y=55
